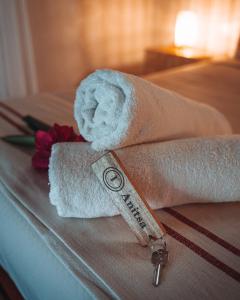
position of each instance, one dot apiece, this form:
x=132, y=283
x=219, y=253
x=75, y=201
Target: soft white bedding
x=100, y=257
x=108, y=249
x=29, y=252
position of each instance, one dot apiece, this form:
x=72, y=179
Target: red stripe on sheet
x=203, y=230
x=10, y=109
x=13, y=123
x=203, y=253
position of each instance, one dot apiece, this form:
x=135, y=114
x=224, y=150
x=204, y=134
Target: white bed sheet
x=122, y=270
x=28, y=253
x=107, y=249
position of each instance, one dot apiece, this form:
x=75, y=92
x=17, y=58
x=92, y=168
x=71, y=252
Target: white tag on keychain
x=134, y=209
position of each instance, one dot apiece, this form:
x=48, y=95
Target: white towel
x=114, y=110
x=167, y=174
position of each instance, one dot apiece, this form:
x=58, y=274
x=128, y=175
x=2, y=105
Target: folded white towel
x=114, y=110
x=166, y=174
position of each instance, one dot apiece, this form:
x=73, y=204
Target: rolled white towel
x=114, y=110
x=167, y=174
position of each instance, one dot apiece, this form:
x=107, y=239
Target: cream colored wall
x=74, y=37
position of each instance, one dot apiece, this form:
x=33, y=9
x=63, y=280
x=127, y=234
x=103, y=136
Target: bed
x=49, y=257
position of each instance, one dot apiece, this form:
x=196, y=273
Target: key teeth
x=159, y=259
x=156, y=275
x=155, y=285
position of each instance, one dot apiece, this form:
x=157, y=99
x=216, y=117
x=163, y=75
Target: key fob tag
x=132, y=206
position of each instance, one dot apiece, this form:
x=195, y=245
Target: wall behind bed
x=73, y=37
x=60, y=41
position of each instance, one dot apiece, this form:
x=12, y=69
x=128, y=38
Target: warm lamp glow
x=186, y=29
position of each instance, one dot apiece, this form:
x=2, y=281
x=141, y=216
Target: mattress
x=28, y=253
x=99, y=258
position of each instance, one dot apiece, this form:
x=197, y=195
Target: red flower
x=44, y=141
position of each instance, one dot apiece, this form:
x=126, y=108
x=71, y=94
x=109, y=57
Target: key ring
x=157, y=243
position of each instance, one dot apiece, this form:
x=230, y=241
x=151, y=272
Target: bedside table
x=160, y=58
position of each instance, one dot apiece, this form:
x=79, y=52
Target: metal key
x=159, y=259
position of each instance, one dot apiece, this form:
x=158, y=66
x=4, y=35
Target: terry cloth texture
x=114, y=110
x=167, y=174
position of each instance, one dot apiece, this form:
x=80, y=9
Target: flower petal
x=40, y=160
x=43, y=140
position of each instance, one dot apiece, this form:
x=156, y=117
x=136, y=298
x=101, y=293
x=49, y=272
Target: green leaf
x=22, y=140
x=35, y=124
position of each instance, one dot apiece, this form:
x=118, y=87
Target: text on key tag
x=132, y=207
